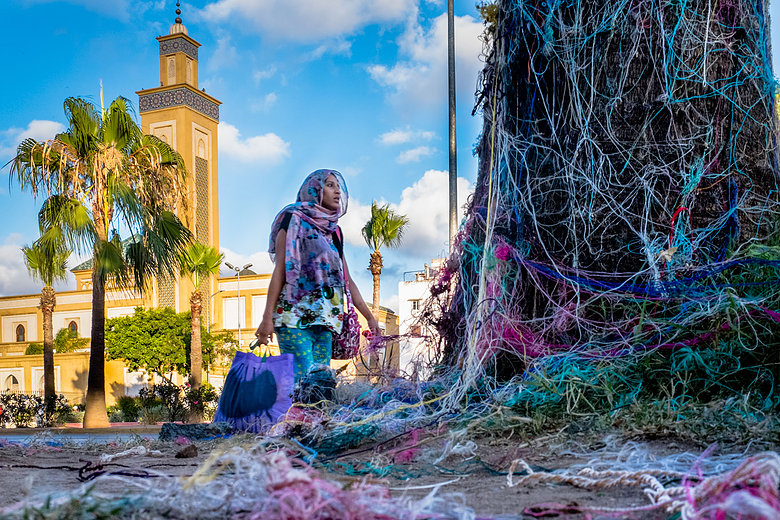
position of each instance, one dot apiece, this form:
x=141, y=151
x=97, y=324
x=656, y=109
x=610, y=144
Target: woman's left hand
x=373, y=326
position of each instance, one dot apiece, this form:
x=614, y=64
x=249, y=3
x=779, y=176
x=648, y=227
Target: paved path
x=116, y=433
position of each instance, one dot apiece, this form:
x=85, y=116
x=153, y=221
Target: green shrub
x=169, y=402
x=115, y=414
x=34, y=349
x=153, y=414
x=26, y=411
x=202, y=400
x=130, y=408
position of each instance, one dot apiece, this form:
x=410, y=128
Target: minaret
x=186, y=118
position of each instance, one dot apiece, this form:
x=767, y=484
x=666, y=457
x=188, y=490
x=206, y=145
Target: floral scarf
x=312, y=263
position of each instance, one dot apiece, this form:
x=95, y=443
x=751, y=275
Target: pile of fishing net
x=626, y=202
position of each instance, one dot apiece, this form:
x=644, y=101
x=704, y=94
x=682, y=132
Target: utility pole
x=453, y=169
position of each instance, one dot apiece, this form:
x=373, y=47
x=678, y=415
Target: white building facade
x=413, y=291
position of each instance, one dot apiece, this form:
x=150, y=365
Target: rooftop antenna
x=178, y=12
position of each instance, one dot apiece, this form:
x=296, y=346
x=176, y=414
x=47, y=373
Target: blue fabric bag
x=257, y=391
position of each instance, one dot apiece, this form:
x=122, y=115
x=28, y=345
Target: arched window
x=20, y=333
x=11, y=383
x=74, y=327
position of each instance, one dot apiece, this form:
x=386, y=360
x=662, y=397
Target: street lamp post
x=208, y=325
x=238, y=290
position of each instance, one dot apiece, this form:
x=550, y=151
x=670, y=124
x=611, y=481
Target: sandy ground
x=34, y=464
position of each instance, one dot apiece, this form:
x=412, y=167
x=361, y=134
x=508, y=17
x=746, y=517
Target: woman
x=305, y=304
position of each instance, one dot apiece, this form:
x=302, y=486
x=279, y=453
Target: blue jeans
x=308, y=346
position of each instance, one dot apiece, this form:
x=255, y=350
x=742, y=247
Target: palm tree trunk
x=375, y=266
x=196, y=353
x=48, y=300
x=95, y=415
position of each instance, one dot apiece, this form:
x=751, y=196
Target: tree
x=384, y=228
x=158, y=341
x=65, y=341
x=198, y=261
x=101, y=175
x=46, y=260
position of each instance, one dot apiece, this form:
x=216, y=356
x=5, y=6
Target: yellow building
x=186, y=118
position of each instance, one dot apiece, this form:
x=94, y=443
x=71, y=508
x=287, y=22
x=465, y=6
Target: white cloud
x=268, y=148
x=260, y=260
x=116, y=9
x=339, y=48
x=420, y=79
x=351, y=171
x=415, y=154
x=390, y=302
x=308, y=20
x=356, y=217
x=399, y=136
x=265, y=104
x=224, y=55
x=15, y=280
x=38, y=129
x=426, y=204
x=260, y=75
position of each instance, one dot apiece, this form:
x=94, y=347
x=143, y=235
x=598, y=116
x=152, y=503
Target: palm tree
x=198, y=261
x=101, y=175
x=385, y=228
x=46, y=261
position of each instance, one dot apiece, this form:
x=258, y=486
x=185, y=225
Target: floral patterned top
x=316, y=304
x=321, y=307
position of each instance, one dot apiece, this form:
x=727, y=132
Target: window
x=74, y=327
x=415, y=305
x=20, y=333
x=11, y=383
x=171, y=70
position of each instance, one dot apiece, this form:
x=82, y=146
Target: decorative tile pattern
x=176, y=97
x=166, y=296
x=179, y=45
x=202, y=200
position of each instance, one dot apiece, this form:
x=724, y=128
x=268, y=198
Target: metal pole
x=453, y=177
x=238, y=302
x=208, y=325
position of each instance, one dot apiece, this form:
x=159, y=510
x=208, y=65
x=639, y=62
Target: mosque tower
x=186, y=118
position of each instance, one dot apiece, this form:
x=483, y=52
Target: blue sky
x=355, y=85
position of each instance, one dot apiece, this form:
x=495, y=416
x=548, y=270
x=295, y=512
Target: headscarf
x=311, y=260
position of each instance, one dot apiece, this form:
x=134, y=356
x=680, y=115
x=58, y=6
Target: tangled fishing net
x=626, y=203
x=256, y=481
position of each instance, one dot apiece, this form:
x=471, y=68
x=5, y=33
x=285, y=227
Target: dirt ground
x=33, y=466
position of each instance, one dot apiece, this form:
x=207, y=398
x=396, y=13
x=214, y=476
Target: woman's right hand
x=265, y=330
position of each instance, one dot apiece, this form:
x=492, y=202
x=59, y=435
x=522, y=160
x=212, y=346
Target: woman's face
x=331, y=193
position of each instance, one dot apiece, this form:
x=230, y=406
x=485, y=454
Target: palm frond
x=157, y=250
x=84, y=124
x=119, y=129
x=140, y=263
x=384, y=228
x=73, y=220
x=109, y=261
x=46, y=260
x=199, y=261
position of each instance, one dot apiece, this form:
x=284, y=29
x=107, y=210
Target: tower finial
x=178, y=12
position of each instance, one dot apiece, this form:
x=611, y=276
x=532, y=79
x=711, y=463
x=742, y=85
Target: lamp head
x=247, y=266
x=230, y=266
